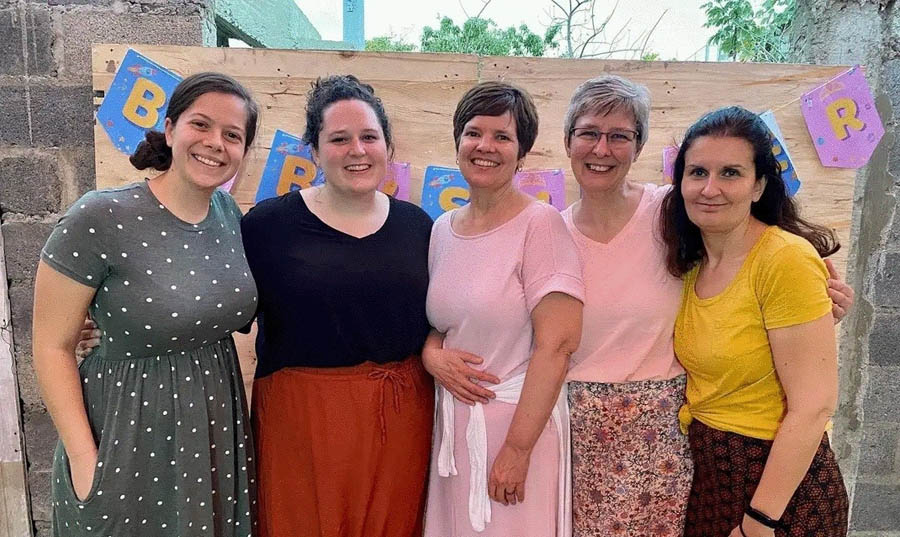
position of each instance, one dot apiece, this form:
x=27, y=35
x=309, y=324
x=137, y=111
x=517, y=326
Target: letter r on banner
x=842, y=114
x=139, y=99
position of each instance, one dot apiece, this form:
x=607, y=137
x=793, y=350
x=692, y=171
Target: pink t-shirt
x=631, y=301
x=484, y=287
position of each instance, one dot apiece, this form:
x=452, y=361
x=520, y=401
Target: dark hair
x=495, y=99
x=331, y=89
x=775, y=207
x=153, y=152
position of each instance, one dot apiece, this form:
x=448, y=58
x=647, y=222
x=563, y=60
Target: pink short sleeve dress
x=481, y=294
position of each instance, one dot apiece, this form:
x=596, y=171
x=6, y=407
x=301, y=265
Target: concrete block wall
x=867, y=425
x=47, y=153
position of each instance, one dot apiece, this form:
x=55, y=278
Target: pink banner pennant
x=842, y=120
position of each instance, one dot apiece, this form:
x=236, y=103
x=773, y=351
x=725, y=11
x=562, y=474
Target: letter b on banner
x=296, y=170
x=136, y=101
x=145, y=96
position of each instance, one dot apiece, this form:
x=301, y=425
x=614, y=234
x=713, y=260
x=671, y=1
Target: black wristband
x=762, y=518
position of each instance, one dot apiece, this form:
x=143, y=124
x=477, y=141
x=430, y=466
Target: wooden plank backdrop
x=420, y=92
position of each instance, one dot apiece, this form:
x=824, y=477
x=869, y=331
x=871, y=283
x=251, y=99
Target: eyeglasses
x=589, y=137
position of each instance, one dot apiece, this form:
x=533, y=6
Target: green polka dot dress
x=163, y=391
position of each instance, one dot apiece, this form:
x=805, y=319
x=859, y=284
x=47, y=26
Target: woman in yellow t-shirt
x=755, y=336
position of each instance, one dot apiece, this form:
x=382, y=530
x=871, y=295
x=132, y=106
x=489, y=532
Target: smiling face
x=208, y=141
x=352, y=150
x=601, y=164
x=720, y=183
x=488, y=151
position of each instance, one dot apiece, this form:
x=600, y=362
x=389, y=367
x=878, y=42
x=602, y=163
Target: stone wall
x=867, y=426
x=47, y=152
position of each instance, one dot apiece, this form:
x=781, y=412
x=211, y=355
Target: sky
x=679, y=35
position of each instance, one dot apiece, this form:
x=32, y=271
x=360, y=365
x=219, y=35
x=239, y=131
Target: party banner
x=842, y=120
x=136, y=101
x=443, y=189
x=669, y=153
x=780, y=150
x=289, y=166
x=396, y=182
x=548, y=186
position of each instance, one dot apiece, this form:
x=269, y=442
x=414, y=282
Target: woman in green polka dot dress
x=154, y=435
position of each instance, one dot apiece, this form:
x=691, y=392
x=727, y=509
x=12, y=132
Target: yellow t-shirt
x=723, y=344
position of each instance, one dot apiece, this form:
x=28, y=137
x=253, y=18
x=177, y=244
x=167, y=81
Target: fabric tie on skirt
x=508, y=392
x=398, y=383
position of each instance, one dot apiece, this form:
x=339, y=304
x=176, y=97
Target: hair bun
x=152, y=152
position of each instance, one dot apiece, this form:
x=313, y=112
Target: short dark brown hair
x=495, y=98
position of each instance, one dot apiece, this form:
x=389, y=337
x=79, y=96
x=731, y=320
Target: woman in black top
x=342, y=407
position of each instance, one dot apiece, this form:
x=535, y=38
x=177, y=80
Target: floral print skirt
x=631, y=465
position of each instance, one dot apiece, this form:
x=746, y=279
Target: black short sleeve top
x=328, y=299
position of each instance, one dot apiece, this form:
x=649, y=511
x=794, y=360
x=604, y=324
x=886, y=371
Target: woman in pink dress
x=505, y=286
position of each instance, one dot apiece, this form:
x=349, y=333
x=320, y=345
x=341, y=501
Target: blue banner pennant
x=779, y=149
x=289, y=166
x=443, y=189
x=136, y=101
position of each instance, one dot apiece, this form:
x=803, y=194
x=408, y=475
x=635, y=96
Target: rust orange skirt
x=343, y=452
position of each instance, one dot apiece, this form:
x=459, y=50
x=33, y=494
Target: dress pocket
x=66, y=471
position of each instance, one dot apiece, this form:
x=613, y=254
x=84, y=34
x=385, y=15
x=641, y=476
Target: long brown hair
x=684, y=245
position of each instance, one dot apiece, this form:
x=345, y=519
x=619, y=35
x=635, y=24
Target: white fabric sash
x=508, y=392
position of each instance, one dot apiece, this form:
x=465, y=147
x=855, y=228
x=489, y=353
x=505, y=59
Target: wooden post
x=354, y=23
x=14, y=516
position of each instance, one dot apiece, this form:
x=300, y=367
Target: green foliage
x=746, y=34
x=482, y=36
x=388, y=43
x=650, y=57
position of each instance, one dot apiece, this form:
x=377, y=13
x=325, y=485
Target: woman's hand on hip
x=506, y=482
x=450, y=368
x=841, y=294
x=82, y=468
x=90, y=338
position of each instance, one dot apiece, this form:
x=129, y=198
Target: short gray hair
x=608, y=93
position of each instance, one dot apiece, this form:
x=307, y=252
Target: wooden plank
x=420, y=92
x=14, y=519
x=682, y=92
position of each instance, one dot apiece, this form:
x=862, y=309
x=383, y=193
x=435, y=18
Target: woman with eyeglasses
x=631, y=467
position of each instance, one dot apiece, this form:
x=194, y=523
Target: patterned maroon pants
x=727, y=469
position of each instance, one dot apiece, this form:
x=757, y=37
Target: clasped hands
x=453, y=370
